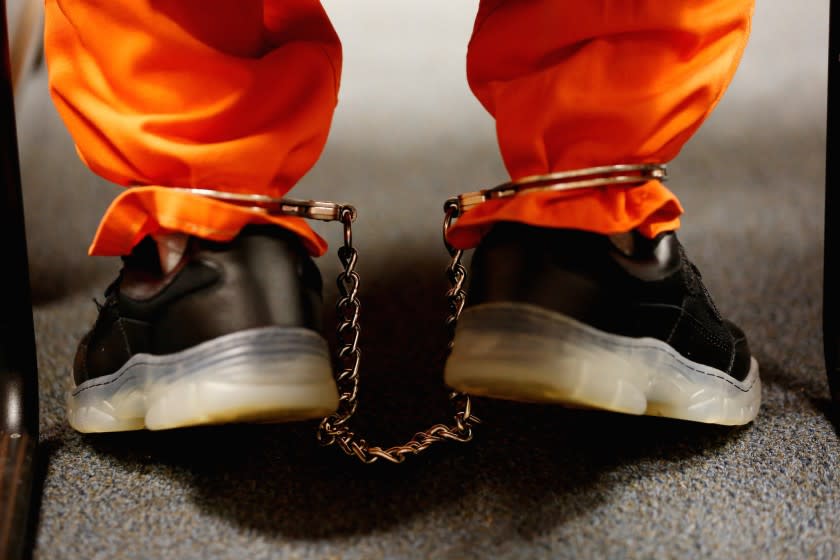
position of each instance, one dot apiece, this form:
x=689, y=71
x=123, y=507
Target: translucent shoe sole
x=525, y=353
x=270, y=374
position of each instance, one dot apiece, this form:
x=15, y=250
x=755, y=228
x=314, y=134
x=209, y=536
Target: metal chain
x=335, y=429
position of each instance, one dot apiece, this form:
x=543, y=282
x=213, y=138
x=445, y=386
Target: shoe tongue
x=171, y=248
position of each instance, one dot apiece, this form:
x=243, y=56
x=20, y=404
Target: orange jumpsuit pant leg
x=575, y=84
x=229, y=95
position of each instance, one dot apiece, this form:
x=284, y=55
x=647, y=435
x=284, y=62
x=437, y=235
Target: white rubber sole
x=525, y=353
x=270, y=374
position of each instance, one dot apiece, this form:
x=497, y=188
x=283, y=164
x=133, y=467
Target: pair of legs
x=238, y=97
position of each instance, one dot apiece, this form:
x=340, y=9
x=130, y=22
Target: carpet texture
x=538, y=481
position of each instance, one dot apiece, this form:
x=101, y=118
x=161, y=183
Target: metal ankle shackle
x=630, y=174
x=335, y=429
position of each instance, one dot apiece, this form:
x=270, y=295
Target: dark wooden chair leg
x=831, y=280
x=18, y=369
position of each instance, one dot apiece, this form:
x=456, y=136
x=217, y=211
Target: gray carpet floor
x=537, y=482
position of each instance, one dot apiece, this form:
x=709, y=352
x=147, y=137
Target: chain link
x=335, y=429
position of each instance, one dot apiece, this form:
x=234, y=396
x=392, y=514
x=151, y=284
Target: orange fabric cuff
x=142, y=211
x=649, y=208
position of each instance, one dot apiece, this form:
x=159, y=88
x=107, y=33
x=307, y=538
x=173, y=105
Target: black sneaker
x=619, y=323
x=231, y=334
